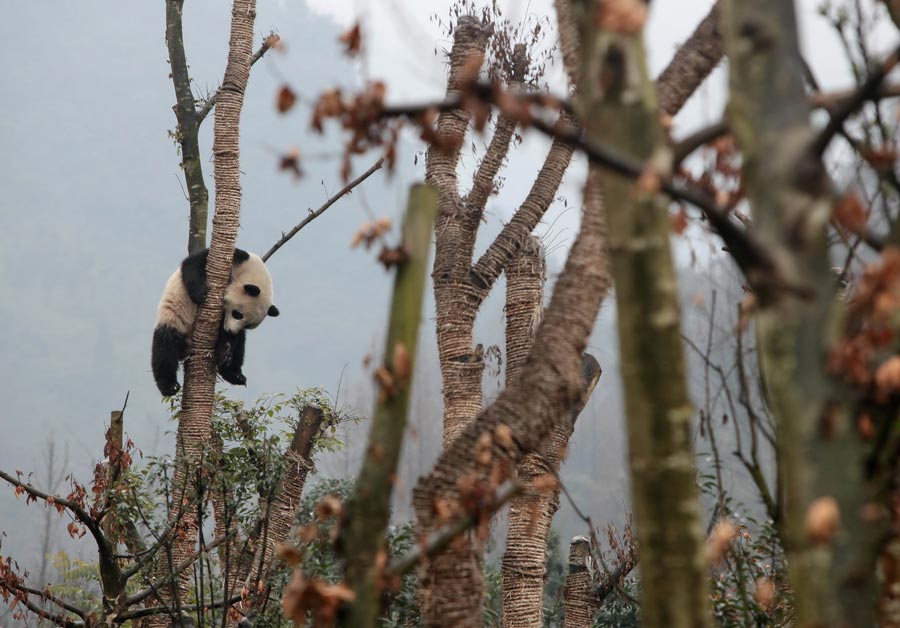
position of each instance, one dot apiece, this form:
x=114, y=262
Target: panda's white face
x=248, y=298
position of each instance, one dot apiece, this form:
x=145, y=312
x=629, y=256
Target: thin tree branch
x=153, y=588
x=867, y=91
x=104, y=550
x=267, y=43
x=312, y=215
x=57, y=619
x=161, y=610
x=46, y=595
x=683, y=149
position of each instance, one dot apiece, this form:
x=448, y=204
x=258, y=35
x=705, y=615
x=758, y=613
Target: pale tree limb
x=661, y=459
x=833, y=580
x=369, y=510
x=312, y=215
x=188, y=128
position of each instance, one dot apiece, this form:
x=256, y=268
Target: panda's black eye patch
x=236, y=315
x=252, y=290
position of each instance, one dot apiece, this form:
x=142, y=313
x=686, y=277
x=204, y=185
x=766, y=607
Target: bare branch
x=692, y=63
x=867, y=91
x=108, y=565
x=165, y=610
x=154, y=588
x=47, y=595
x=543, y=191
x=312, y=215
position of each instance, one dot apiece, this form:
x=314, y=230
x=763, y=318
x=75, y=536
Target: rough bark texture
x=786, y=183
x=200, y=370
x=461, y=364
x=486, y=453
x=188, y=128
x=459, y=289
x=580, y=604
x=370, y=508
x=667, y=510
x=692, y=63
x=524, y=564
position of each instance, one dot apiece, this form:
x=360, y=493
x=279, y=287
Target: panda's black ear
x=252, y=290
x=240, y=256
x=273, y=311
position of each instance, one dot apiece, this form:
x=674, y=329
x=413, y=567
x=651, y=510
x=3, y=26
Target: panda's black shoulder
x=198, y=259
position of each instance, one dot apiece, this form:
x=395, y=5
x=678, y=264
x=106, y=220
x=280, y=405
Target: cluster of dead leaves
x=315, y=597
x=866, y=356
x=626, y=17
x=370, y=231
x=394, y=377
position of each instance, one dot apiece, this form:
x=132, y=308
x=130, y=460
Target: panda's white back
x=175, y=307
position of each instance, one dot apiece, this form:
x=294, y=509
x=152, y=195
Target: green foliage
x=756, y=558
x=619, y=609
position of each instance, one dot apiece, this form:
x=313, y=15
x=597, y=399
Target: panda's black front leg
x=230, y=356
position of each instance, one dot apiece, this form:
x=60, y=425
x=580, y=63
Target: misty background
x=93, y=220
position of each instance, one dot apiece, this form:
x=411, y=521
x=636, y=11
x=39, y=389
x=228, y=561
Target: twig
x=692, y=142
x=866, y=91
x=267, y=43
x=315, y=214
x=441, y=538
x=46, y=595
x=140, y=596
x=106, y=552
x=159, y=610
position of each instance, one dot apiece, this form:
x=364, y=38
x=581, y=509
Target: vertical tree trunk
x=580, y=606
x=456, y=300
x=531, y=512
x=551, y=382
x=370, y=508
x=187, y=131
x=200, y=370
x=674, y=591
x=820, y=454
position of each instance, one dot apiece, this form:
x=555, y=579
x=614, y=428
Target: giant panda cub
x=248, y=300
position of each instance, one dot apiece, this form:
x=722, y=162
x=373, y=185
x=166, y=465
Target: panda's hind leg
x=230, y=356
x=169, y=349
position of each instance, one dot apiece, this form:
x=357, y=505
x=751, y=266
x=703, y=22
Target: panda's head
x=248, y=298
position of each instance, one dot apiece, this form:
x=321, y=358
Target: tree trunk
x=524, y=564
x=194, y=430
x=674, y=592
x=487, y=452
x=820, y=454
x=369, y=510
x=188, y=129
x=580, y=605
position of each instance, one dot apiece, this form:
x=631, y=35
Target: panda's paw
x=169, y=391
x=237, y=379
